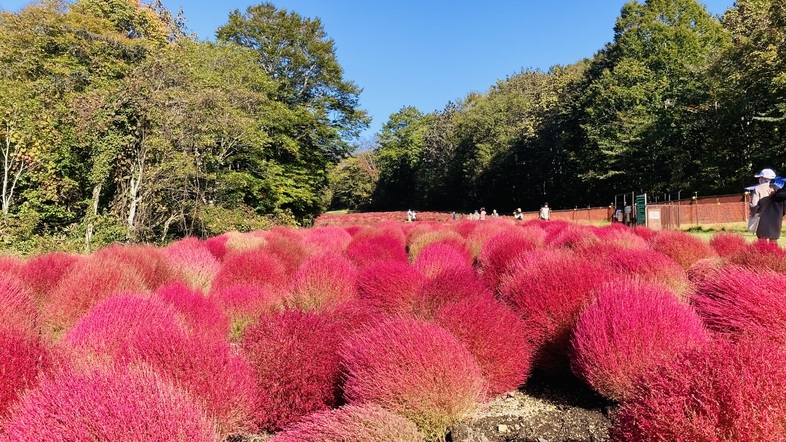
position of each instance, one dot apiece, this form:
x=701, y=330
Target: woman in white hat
x=770, y=210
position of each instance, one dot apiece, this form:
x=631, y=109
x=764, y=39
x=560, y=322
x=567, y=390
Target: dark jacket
x=772, y=217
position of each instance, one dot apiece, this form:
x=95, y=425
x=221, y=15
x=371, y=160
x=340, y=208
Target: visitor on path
x=545, y=212
x=494, y=213
x=767, y=206
x=410, y=215
x=482, y=214
x=455, y=216
x=518, y=214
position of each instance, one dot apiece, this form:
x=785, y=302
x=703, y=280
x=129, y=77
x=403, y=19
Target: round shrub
x=549, y=289
x=245, y=304
x=728, y=244
x=145, y=260
x=449, y=285
x=128, y=330
x=42, y=273
x=23, y=360
x=88, y=282
x=572, y=236
x=351, y=423
x=112, y=405
x=444, y=235
x=416, y=369
x=322, y=282
x=439, y=256
x=200, y=314
x=329, y=239
x=391, y=287
x=17, y=308
x=497, y=253
x=681, y=247
x=648, y=265
x=192, y=261
x=763, y=255
x=495, y=335
x=296, y=366
x=630, y=328
x=254, y=268
x=365, y=250
x=724, y=392
x=742, y=301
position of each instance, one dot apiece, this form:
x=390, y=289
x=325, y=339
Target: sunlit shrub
x=449, y=285
x=24, y=359
x=254, y=268
x=128, y=330
x=322, y=283
x=17, y=308
x=721, y=393
x=286, y=246
x=245, y=304
x=112, y=405
x=572, y=236
x=763, y=255
x=145, y=260
x=621, y=236
x=703, y=269
x=42, y=273
x=365, y=250
x=296, y=365
x=646, y=264
x=548, y=289
x=495, y=335
x=484, y=231
x=200, y=315
x=630, y=328
x=351, y=423
x=441, y=235
x=727, y=244
x=89, y=281
x=501, y=249
x=439, y=256
x=739, y=301
x=327, y=239
x=391, y=287
x=416, y=369
x=681, y=247
x=193, y=262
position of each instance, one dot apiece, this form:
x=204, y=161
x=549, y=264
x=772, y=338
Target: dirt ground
x=544, y=410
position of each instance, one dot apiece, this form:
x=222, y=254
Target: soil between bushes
x=543, y=410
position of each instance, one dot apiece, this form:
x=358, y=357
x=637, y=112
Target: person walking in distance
x=545, y=212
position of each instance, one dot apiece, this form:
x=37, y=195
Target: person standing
x=482, y=214
x=518, y=215
x=545, y=212
x=768, y=205
x=494, y=213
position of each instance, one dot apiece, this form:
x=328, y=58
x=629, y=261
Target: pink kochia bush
x=352, y=423
x=727, y=244
x=322, y=282
x=761, y=254
x=129, y=330
x=199, y=314
x=390, y=287
x=549, y=289
x=495, y=335
x=370, y=249
x=629, y=329
x=17, y=309
x=501, y=249
x=724, y=392
x=23, y=360
x=295, y=360
x=111, y=405
x=741, y=301
x=42, y=273
x=254, y=268
x=416, y=369
x=681, y=247
x=192, y=263
x=145, y=260
x=88, y=282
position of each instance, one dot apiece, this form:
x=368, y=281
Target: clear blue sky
x=425, y=53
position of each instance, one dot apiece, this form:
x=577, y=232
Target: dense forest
x=116, y=124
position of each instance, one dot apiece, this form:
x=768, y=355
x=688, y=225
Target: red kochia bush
x=723, y=393
x=629, y=329
x=727, y=244
x=17, y=309
x=244, y=304
x=191, y=260
x=322, y=282
x=143, y=259
x=548, y=289
x=681, y=247
x=449, y=285
x=327, y=239
x=352, y=423
x=112, y=405
x=390, y=287
x=439, y=256
x=761, y=254
x=295, y=360
x=255, y=268
x=495, y=336
x=501, y=249
x=739, y=301
x=128, y=330
x=366, y=250
x=88, y=282
x=200, y=315
x=416, y=369
x=42, y=273
x=23, y=360
x=646, y=264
